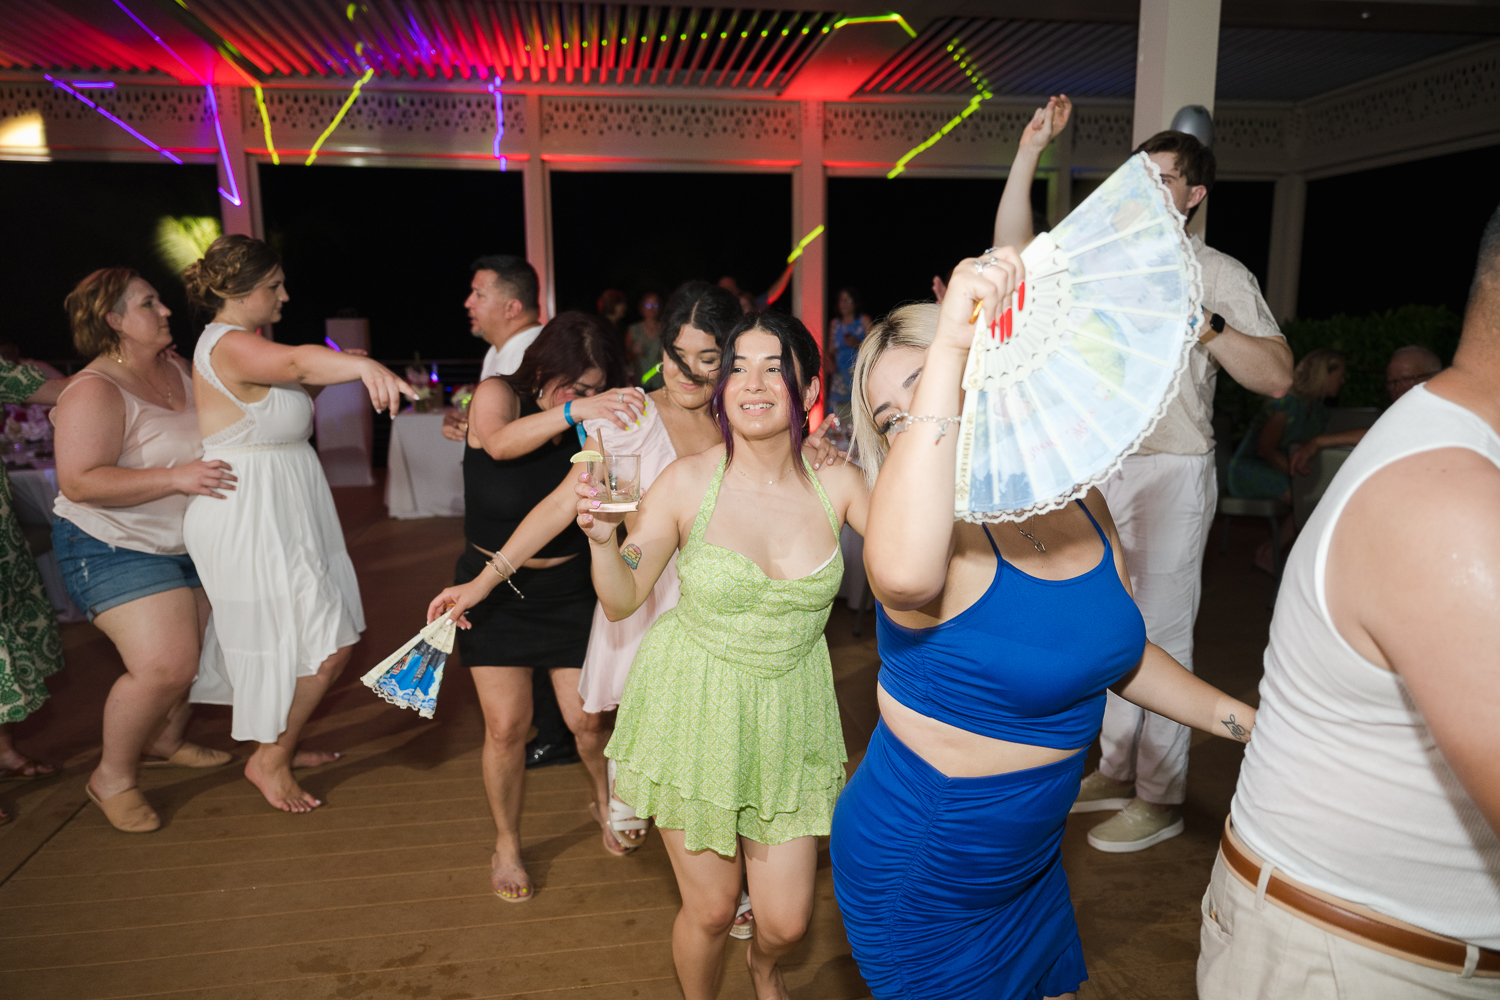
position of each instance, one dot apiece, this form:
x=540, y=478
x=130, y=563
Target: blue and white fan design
x=1092, y=352
x=411, y=676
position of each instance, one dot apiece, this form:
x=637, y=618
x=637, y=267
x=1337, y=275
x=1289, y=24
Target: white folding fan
x=1091, y=354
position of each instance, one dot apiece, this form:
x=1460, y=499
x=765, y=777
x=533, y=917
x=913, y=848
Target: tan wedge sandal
x=127, y=811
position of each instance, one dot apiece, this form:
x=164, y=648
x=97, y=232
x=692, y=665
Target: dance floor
x=384, y=892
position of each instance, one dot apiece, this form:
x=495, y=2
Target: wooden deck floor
x=384, y=892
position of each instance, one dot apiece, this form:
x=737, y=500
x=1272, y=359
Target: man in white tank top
x=1363, y=859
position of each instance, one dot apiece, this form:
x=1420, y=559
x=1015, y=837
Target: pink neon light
x=69, y=90
x=499, y=119
x=233, y=194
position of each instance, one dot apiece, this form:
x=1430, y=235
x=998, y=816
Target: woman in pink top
x=677, y=423
x=128, y=460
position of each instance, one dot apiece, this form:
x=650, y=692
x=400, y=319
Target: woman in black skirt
x=520, y=439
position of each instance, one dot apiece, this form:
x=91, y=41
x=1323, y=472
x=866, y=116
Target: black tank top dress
x=549, y=627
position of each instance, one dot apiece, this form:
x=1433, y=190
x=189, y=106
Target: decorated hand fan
x=1090, y=356
x=410, y=677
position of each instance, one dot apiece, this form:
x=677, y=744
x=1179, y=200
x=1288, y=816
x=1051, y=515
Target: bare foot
x=313, y=758
x=509, y=879
x=611, y=842
x=278, y=786
x=767, y=980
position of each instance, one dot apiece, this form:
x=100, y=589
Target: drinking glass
x=622, y=477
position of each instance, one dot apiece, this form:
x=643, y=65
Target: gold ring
x=974, y=316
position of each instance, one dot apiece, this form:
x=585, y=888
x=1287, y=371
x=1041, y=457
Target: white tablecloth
x=424, y=470
x=34, y=490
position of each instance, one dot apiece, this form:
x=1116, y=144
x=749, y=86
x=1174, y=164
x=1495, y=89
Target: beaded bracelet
x=903, y=421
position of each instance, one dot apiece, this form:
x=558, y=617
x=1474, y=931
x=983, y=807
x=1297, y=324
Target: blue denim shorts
x=100, y=576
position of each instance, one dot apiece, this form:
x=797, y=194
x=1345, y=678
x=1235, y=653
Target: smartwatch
x=1215, y=327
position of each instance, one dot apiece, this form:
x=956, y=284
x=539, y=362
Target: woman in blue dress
x=997, y=644
x=1261, y=466
x=846, y=332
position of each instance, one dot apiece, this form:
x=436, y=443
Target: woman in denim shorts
x=128, y=461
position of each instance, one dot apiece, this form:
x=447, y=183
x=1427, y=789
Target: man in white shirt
x=1363, y=858
x=1164, y=496
x=504, y=311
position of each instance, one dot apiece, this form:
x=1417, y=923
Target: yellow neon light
x=313, y=154
x=877, y=19
x=804, y=244
x=932, y=140
x=265, y=119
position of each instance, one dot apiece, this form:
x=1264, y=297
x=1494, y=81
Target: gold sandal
x=127, y=811
x=192, y=755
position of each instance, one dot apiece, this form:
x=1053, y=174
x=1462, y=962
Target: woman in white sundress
x=271, y=556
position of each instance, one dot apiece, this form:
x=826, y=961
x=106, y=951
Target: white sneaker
x=1098, y=793
x=1135, y=828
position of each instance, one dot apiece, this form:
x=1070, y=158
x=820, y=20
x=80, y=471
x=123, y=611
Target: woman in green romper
x=30, y=649
x=728, y=731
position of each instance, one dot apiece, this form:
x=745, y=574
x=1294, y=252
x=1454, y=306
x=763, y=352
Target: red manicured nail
x=1021, y=298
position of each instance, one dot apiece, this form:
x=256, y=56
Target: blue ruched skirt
x=953, y=888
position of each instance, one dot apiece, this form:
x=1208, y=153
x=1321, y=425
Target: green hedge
x=1367, y=341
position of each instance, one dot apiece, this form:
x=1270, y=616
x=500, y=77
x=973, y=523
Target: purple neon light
x=69, y=90
x=93, y=84
x=499, y=118
x=233, y=194
x=330, y=343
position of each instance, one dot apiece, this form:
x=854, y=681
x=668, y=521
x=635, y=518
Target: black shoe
x=547, y=754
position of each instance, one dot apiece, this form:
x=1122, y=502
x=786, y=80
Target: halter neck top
x=1028, y=662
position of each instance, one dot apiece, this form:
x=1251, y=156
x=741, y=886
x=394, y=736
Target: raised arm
x=1013, y=217
x=242, y=357
x=495, y=423
x=624, y=574
x=909, y=534
x=1162, y=685
x=1422, y=603
x=90, y=422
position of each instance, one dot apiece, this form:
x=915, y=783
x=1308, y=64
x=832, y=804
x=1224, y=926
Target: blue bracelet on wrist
x=568, y=414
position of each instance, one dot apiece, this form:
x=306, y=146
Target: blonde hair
x=89, y=304
x=911, y=326
x=231, y=267
x=1311, y=373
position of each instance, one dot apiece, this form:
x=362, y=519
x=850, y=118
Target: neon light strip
x=803, y=245
x=881, y=18
x=265, y=119
x=233, y=194
x=499, y=118
x=932, y=140
x=332, y=345
x=69, y=90
x=93, y=84
x=313, y=154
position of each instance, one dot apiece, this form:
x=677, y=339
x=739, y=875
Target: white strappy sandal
x=745, y=931
x=623, y=819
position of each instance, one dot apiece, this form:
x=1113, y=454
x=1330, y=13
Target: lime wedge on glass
x=586, y=456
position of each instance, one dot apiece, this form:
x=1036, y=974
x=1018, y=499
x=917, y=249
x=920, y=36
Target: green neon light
x=877, y=19
x=932, y=140
x=313, y=154
x=265, y=119
x=651, y=374
x=803, y=245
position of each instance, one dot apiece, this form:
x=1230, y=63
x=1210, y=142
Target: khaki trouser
x=1250, y=949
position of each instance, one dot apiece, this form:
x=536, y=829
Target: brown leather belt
x=1428, y=949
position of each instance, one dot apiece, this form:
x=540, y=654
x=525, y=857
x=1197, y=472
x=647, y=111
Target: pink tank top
x=155, y=438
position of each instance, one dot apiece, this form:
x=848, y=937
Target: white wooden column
x=809, y=211
x=538, y=201
x=1177, y=57
x=244, y=218
x=1287, y=213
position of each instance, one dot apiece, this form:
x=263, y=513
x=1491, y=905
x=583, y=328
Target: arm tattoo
x=1236, y=731
x=632, y=556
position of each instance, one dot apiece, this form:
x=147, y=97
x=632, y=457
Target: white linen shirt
x=1230, y=290
x=507, y=359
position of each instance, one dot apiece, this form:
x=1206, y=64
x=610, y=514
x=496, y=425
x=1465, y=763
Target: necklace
x=769, y=482
x=144, y=380
x=1032, y=538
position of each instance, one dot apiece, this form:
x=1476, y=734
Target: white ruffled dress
x=271, y=557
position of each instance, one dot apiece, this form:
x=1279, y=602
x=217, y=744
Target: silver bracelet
x=507, y=579
x=903, y=421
